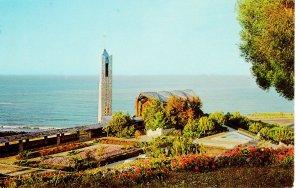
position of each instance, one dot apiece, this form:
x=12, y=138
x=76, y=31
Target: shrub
x=148, y=114
x=205, y=125
x=282, y=134
x=202, y=126
x=191, y=129
x=218, y=117
x=137, y=133
x=25, y=154
x=265, y=133
x=159, y=120
x=174, y=132
x=255, y=127
x=127, y=132
x=22, y=162
x=74, y=152
x=100, y=151
x=121, y=125
x=184, y=146
x=165, y=147
x=236, y=120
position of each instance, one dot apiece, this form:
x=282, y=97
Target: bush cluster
x=264, y=130
x=205, y=125
x=121, y=125
x=171, y=146
x=184, y=115
x=174, y=114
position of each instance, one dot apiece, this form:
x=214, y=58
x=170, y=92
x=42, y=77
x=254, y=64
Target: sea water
x=66, y=101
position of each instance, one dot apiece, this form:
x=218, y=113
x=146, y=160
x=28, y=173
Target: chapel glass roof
x=165, y=95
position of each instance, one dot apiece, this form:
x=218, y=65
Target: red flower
x=174, y=163
x=196, y=168
x=164, y=169
x=213, y=166
x=7, y=182
x=138, y=170
x=281, y=156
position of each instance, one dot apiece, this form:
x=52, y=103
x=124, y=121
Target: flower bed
x=53, y=150
x=143, y=171
x=89, y=158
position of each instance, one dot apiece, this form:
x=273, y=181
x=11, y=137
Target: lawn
x=274, y=118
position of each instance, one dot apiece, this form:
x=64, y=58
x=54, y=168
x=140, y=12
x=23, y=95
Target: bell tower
x=105, y=87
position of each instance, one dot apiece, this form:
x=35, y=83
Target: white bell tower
x=105, y=87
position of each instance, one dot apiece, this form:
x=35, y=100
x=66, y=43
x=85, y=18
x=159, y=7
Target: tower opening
x=106, y=69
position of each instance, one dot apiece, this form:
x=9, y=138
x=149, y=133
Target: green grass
x=280, y=118
x=266, y=115
x=229, y=177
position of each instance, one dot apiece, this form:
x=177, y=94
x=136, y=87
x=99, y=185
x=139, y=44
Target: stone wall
x=15, y=147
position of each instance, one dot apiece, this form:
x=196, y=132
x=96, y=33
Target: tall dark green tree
x=268, y=42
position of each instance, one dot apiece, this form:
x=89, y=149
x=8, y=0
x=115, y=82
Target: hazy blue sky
x=144, y=36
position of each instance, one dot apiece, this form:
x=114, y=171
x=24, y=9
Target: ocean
x=39, y=102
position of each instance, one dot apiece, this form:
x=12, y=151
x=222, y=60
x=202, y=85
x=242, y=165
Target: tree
x=176, y=110
x=180, y=111
x=121, y=125
x=218, y=117
x=159, y=121
x=268, y=42
x=154, y=115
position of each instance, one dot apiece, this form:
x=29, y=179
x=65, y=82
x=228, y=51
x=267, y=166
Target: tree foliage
x=121, y=125
x=155, y=116
x=268, y=42
x=191, y=129
x=180, y=111
x=176, y=113
x=218, y=117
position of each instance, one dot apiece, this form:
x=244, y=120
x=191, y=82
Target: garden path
x=227, y=140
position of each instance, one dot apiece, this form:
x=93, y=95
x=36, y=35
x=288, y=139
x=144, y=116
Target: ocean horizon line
x=120, y=75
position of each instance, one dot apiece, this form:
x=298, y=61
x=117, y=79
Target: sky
x=145, y=37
